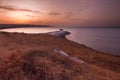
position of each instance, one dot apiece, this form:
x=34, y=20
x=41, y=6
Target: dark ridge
x=5, y=26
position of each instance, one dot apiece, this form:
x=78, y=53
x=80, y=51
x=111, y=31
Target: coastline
x=8, y=26
x=24, y=43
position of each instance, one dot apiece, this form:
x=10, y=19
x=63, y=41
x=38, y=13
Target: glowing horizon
x=60, y=12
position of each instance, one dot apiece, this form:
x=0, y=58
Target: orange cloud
x=9, y=8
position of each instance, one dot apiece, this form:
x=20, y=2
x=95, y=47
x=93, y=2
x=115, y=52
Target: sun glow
x=20, y=17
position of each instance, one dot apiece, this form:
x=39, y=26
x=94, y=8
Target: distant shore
x=24, y=43
x=6, y=26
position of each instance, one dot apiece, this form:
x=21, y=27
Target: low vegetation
x=30, y=57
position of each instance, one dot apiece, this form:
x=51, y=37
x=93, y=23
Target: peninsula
x=47, y=57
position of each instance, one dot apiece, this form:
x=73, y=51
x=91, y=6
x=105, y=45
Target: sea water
x=101, y=39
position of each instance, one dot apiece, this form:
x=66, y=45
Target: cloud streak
x=55, y=13
x=68, y=14
x=9, y=8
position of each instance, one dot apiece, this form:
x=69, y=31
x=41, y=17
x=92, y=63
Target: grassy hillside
x=32, y=57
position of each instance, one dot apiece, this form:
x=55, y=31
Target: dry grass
x=31, y=57
x=41, y=65
x=37, y=65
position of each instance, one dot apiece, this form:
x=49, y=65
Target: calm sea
x=101, y=39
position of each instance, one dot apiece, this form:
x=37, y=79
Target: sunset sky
x=61, y=12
